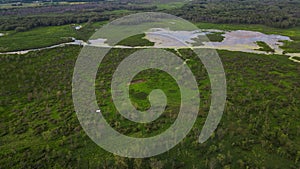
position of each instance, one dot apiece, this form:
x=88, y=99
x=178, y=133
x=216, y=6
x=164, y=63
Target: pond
x=239, y=40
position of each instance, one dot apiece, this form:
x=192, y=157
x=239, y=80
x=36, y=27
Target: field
x=264, y=47
x=292, y=47
x=260, y=127
x=39, y=125
x=137, y=40
x=215, y=37
x=45, y=36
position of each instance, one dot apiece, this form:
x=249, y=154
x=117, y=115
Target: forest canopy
x=279, y=13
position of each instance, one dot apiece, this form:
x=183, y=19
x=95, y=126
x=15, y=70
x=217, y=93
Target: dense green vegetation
x=279, y=13
x=215, y=37
x=136, y=40
x=39, y=127
x=291, y=47
x=264, y=47
x=27, y=22
x=55, y=15
x=260, y=127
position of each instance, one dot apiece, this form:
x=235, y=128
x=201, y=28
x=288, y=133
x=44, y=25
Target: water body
x=239, y=40
x=164, y=38
x=246, y=41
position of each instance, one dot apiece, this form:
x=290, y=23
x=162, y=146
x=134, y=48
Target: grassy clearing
x=291, y=47
x=264, y=47
x=88, y=30
x=215, y=37
x=39, y=37
x=136, y=40
x=170, y=5
x=45, y=36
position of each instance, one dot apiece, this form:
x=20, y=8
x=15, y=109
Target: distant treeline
x=21, y=19
x=30, y=1
x=110, y=1
x=274, y=13
x=25, y=23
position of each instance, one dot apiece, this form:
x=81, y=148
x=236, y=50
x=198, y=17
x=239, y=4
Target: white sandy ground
x=239, y=40
x=293, y=56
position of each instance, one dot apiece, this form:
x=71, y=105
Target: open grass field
x=264, y=47
x=45, y=36
x=36, y=38
x=137, y=40
x=292, y=47
x=215, y=37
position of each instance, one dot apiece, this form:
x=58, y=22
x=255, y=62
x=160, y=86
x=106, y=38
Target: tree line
x=21, y=19
x=279, y=13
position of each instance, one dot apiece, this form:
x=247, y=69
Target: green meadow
x=264, y=47
x=45, y=36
